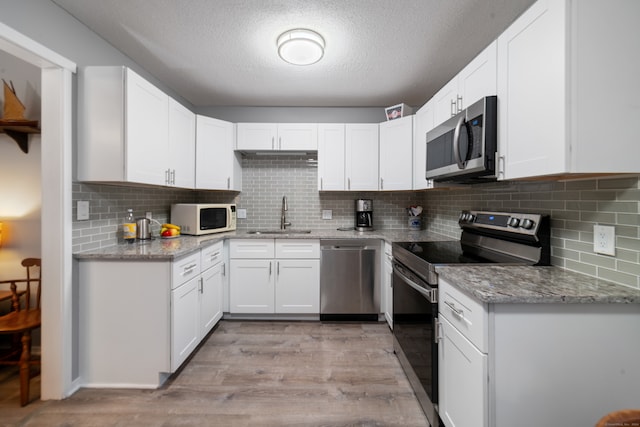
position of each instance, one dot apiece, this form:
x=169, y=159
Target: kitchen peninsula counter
x=167, y=249
x=535, y=285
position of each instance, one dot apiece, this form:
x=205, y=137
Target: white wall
x=20, y=188
x=296, y=114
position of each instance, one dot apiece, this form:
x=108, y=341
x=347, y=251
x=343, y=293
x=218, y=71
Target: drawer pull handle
x=189, y=269
x=455, y=309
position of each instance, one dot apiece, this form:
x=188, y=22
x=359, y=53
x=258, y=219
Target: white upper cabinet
x=277, y=136
x=146, y=121
x=218, y=167
x=348, y=157
x=125, y=128
x=396, y=154
x=568, y=94
x=297, y=136
x=422, y=123
x=331, y=152
x=182, y=146
x=475, y=81
x=361, y=156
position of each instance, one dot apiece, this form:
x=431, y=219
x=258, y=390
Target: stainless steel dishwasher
x=350, y=280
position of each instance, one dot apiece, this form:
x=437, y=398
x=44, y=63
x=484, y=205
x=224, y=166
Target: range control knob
x=527, y=224
x=463, y=216
x=514, y=222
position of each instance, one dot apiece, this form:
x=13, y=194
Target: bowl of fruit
x=169, y=231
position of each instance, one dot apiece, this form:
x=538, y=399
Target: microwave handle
x=456, y=147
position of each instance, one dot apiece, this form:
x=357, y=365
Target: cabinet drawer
x=468, y=315
x=251, y=248
x=184, y=269
x=211, y=255
x=297, y=248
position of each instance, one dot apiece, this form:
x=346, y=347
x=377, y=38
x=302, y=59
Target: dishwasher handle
x=344, y=248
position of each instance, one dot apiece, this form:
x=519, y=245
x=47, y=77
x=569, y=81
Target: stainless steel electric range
x=487, y=238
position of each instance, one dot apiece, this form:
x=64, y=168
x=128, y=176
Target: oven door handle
x=431, y=294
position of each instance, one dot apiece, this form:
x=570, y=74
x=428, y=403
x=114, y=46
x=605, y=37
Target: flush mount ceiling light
x=300, y=46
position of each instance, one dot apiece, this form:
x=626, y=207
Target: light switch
x=82, y=210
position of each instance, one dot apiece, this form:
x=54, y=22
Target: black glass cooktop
x=439, y=253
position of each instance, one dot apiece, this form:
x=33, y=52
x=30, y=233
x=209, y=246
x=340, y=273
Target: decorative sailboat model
x=13, y=122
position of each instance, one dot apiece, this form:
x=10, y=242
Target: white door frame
x=56, y=252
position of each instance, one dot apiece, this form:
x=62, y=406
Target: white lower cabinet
x=462, y=359
x=534, y=364
x=462, y=379
x=211, y=287
x=274, y=276
x=140, y=320
x=251, y=287
x=184, y=321
x=297, y=288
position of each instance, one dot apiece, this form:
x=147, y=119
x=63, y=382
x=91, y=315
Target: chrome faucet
x=283, y=219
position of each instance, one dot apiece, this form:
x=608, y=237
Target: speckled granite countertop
x=168, y=249
x=511, y=284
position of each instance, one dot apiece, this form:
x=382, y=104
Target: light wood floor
x=250, y=374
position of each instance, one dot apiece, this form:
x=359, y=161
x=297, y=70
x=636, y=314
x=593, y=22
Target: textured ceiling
x=223, y=52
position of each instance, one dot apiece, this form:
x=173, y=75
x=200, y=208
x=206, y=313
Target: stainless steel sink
x=278, y=231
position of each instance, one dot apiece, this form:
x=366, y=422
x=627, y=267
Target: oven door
x=415, y=312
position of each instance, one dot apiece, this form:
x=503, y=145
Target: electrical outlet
x=327, y=214
x=82, y=213
x=241, y=214
x=149, y=215
x=604, y=239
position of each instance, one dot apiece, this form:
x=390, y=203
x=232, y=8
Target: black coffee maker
x=364, y=214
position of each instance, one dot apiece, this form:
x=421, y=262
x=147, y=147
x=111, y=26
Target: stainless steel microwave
x=203, y=218
x=463, y=148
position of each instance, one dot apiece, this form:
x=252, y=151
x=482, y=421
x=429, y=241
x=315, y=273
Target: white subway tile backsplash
x=574, y=206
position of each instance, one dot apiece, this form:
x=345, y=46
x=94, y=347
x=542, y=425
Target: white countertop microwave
x=204, y=218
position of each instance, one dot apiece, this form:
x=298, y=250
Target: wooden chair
x=624, y=417
x=22, y=320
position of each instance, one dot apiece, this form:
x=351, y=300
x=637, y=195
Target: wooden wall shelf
x=20, y=133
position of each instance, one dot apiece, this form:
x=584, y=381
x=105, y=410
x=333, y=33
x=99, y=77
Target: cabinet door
x=462, y=380
x=214, y=154
x=532, y=94
x=388, y=283
x=210, y=298
x=297, y=136
x=422, y=123
x=445, y=102
x=396, y=154
x=361, y=156
x=479, y=78
x=184, y=322
x=257, y=136
x=297, y=286
x=331, y=152
x=146, y=128
x=182, y=146
x=252, y=286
